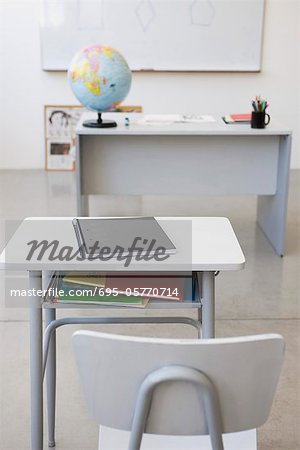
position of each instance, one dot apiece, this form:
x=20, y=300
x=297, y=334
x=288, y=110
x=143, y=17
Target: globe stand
x=100, y=123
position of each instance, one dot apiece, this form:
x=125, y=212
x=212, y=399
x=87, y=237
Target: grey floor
x=264, y=297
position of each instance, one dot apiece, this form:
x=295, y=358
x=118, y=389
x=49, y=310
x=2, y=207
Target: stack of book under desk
x=119, y=290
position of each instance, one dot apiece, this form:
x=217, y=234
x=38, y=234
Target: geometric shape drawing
x=202, y=12
x=145, y=13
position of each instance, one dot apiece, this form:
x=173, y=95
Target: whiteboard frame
x=64, y=68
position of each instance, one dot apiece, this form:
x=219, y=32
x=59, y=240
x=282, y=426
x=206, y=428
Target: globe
x=100, y=79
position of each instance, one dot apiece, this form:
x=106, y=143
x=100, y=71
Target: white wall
x=25, y=88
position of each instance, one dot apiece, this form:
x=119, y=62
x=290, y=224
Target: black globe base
x=99, y=123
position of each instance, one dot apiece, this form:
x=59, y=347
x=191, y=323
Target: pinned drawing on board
x=60, y=124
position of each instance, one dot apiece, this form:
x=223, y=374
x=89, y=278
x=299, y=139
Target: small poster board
x=60, y=138
x=60, y=124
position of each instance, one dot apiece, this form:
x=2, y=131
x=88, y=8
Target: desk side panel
x=179, y=165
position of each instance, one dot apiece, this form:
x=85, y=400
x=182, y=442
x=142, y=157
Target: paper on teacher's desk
x=160, y=118
x=175, y=118
x=203, y=118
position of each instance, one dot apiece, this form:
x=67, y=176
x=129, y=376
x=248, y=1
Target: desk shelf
x=153, y=303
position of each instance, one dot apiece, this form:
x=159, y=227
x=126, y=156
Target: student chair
x=178, y=386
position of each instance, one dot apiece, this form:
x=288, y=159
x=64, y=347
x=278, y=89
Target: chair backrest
x=243, y=370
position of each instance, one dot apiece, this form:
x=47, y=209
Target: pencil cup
x=259, y=119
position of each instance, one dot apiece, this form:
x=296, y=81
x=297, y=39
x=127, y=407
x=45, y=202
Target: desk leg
x=208, y=305
x=198, y=298
x=51, y=378
x=82, y=205
x=272, y=209
x=36, y=353
x=82, y=200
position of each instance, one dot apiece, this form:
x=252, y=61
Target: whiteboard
x=162, y=35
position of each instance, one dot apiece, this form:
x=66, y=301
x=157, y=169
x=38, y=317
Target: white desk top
x=219, y=127
x=202, y=243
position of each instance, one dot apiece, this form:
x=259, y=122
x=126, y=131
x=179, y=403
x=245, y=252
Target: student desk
x=204, y=245
x=188, y=159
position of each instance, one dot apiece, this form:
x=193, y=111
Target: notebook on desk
x=135, y=235
x=237, y=118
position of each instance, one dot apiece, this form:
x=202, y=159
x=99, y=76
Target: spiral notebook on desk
x=95, y=234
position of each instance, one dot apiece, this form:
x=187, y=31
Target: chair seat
x=112, y=439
